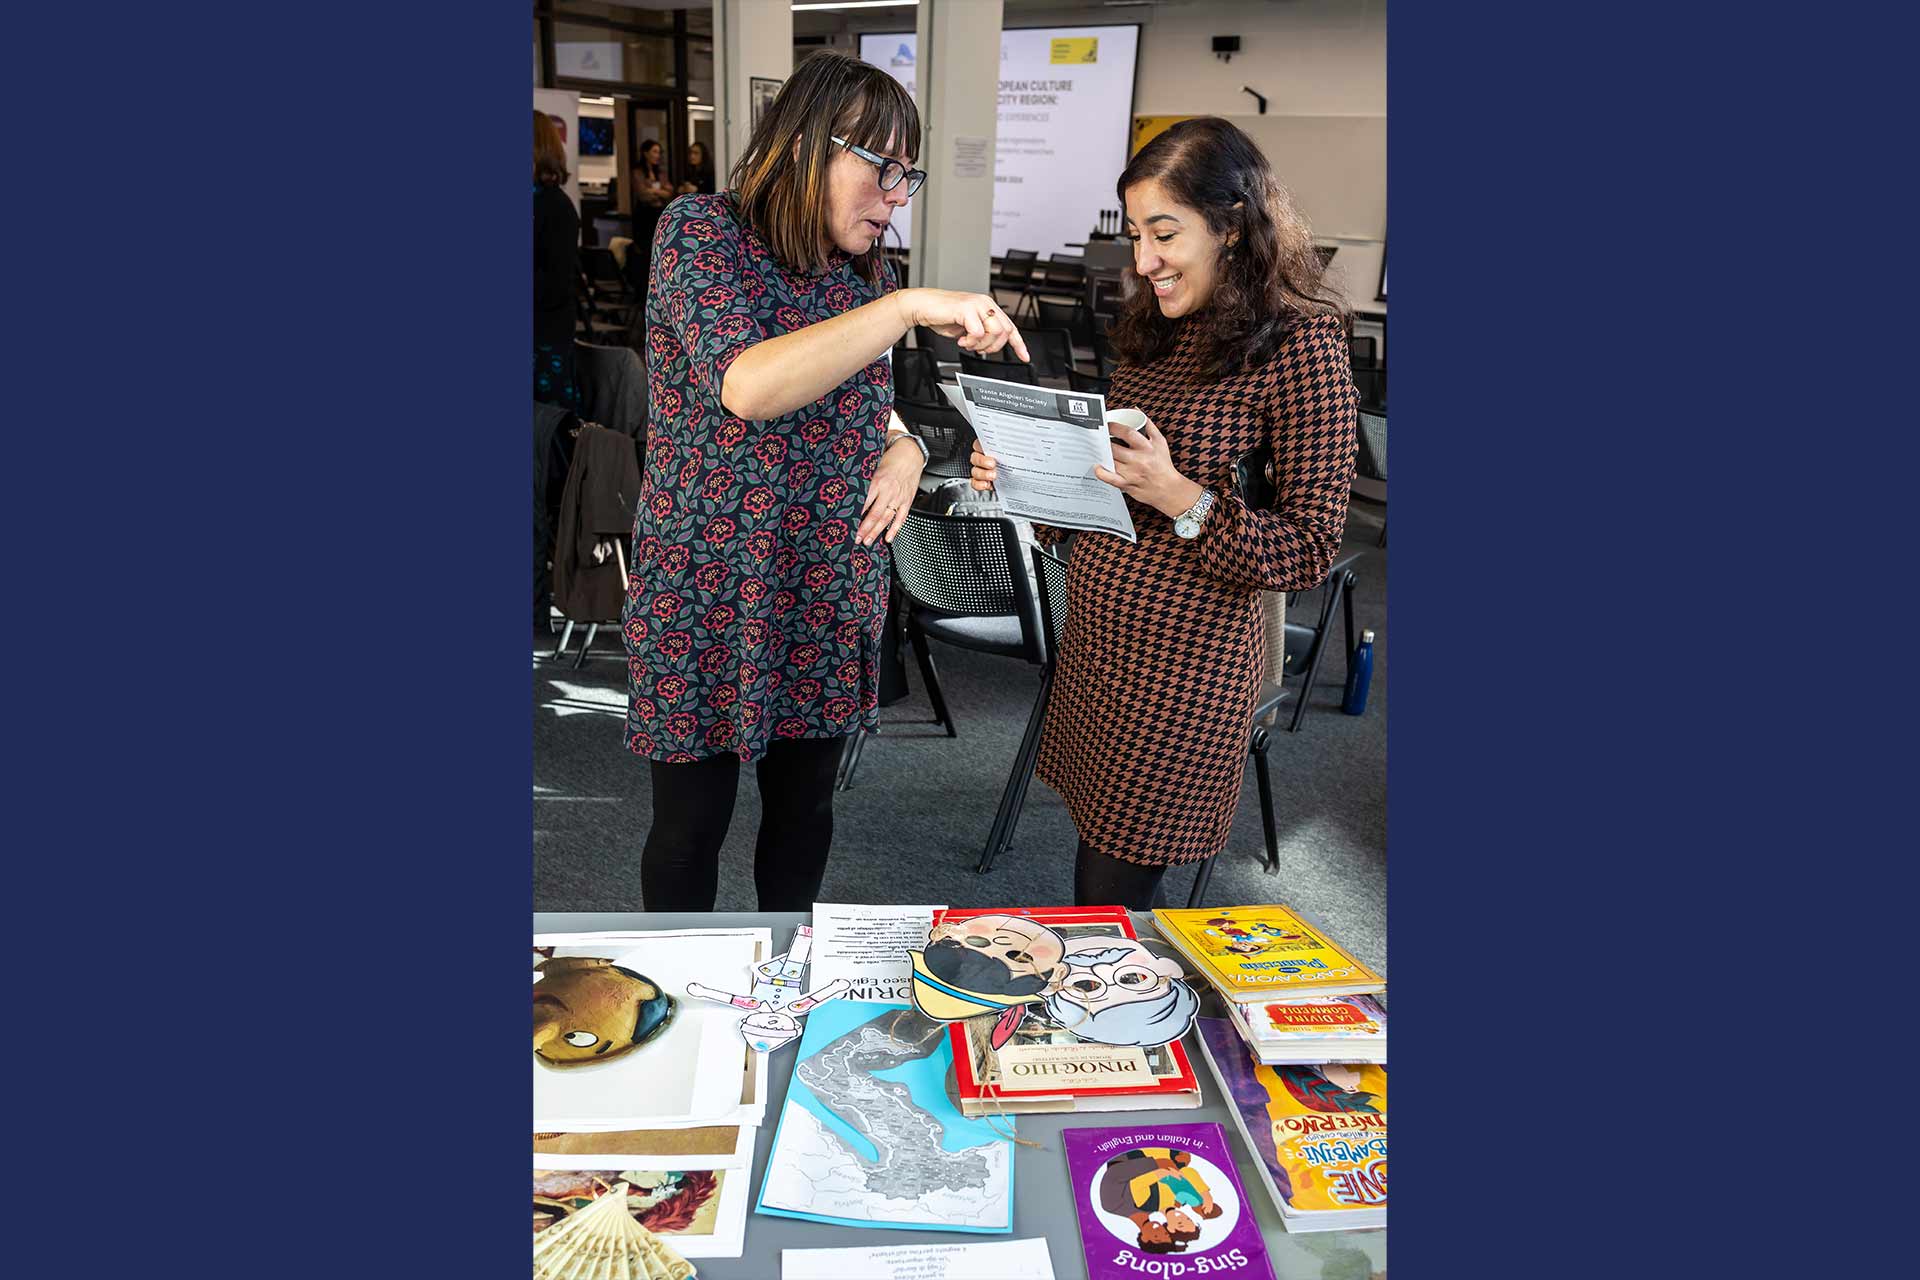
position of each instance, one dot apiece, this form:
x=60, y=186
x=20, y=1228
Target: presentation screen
x=1066, y=106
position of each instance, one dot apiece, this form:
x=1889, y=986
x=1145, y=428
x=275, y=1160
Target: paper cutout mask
x=588, y=1009
x=1105, y=989
x=1118, y=992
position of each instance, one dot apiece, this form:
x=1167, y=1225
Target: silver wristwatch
x=925, y=456
x=1189, y=522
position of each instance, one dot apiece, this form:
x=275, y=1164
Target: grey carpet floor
x=912, y=826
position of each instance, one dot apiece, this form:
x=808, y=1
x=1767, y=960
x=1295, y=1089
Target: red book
x=1044, y=1066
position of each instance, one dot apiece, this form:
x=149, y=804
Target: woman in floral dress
x=777, y=476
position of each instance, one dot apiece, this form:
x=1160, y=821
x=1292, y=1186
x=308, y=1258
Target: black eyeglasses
x=891, y=171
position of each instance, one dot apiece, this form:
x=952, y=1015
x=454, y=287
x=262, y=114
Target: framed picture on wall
x=1383, y=272
x=761, y=95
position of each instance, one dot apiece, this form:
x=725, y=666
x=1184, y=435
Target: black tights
x=1100, y=880
x=693, y=807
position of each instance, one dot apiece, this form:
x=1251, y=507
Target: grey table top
x=1044, y=1206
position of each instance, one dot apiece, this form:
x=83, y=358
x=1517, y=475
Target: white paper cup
x=1128, y=418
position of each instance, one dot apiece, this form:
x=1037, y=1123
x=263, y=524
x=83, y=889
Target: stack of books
x=640, y=1086
x=1294, y=995
x=1319, y=1132
x=1045, y=1067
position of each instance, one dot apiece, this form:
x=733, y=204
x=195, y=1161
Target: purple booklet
x=1162, y=1200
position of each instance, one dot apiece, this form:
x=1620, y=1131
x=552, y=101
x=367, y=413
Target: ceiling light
x=859, y=4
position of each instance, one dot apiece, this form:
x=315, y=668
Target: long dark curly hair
x=1270, y=277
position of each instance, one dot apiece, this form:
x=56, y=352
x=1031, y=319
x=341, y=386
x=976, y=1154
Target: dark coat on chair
x=596, y=511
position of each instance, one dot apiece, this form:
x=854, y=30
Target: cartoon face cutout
x=588, y=1009
x=999, y=955
x=1117, y=992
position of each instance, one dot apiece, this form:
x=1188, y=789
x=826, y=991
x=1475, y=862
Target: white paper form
x=1046, y=444
x=1001, y=1260
x=868, y=947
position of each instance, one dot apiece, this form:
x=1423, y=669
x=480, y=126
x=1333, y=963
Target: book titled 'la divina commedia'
x=1162, y=1200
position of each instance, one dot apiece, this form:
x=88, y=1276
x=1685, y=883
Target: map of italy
x=904, y=1172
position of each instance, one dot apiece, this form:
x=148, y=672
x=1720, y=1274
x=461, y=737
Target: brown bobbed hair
x=783, y=193
x=1270, y=277
x=549, y=152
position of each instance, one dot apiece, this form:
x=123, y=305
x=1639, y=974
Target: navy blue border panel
x=1629, y=466
x=274, y=451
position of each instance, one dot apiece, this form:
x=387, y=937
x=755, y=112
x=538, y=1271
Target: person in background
x=1231, y=341
x=777, y=476
x=699, y=171
x=556, y=267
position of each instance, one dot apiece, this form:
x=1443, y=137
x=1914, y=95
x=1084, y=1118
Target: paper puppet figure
x=987, y=964
x=779, y=979
x=1161, y=1193
x=768, y=1028
x=1118, y=992
x=588, y=1009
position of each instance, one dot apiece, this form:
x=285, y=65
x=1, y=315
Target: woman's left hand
x=891, y=494
x=1143, y=470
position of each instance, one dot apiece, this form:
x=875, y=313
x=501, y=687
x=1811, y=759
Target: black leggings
x=1100, y=880
x=693, y=807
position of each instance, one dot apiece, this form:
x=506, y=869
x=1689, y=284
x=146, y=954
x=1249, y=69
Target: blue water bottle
x=1359, y=673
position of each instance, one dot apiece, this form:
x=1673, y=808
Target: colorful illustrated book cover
x=1360, y=1020
x=1320, y=1131
x=1256, y=951
x=1162, y=1200
x=1044, y=1058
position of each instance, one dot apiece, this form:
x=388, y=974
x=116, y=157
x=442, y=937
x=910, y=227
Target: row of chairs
x=965, y=583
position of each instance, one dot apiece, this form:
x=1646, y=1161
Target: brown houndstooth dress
x=1161, y=664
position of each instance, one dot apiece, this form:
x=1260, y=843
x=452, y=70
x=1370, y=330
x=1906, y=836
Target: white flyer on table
x=1001, y=1260
x=1046, y=443
x=868, y=947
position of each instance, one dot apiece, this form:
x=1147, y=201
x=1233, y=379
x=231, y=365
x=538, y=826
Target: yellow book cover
x=1251, y=952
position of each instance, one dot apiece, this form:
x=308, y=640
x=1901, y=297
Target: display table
x=1043, y=1205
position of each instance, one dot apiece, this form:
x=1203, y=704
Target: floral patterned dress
x=751, y=614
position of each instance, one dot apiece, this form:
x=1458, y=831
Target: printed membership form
x=1045, y=444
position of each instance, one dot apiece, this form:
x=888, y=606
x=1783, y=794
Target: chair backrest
x=916, y=375
x=1372, y=441
x=1055, y=314
x=1065, y=273
x=1052, y=351
x=1088, y=382
x=1050, y=575
x=603, y=269
x=1363, y=351
x=1005, y=370
x=968, y=566
x=946, y=350
x=944, y=430
x=1019, y=264
x=1104, y=295
x=1102, y=352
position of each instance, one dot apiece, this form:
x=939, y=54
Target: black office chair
x=945, y=350
x=963, y=583
x=1307, y=645
x=1370, y=464
x=921, y=405
x=1065, y=275
x=1070, y=316
x=1015, y=273
x=1052, y=352
x=1102, y=352
x=997, y=367
x=1079, y=381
